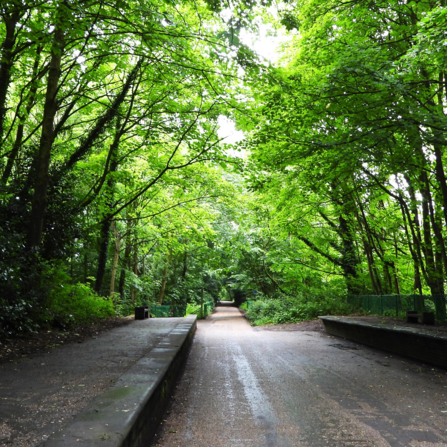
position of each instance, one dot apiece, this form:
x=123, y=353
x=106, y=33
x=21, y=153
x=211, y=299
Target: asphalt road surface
x=245, y=386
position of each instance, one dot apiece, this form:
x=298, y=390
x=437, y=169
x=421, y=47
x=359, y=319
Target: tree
x=351, y=132
x=94, y=96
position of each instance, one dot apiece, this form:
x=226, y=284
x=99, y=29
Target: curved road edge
x=129, y=412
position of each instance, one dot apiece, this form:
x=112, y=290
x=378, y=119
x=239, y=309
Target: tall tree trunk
x=430, y=263
x=440, y=176
x=417, y=279
x=417, y=285
x=438, y=147
x=388, y=279
x=435, y=258
x=135, y=271
x=345, y=200
x=439, y=244
x=413, y=223
x=7, y=59
x=102, y=259
x=39, y=200
x=349, y=256
x=85, y=268
x=367, y=240
x=185, y=266
x=105, y=229
x=116, y=254
x=165, y=276
x=22, y=116
x=440, y=254
x=127, y=253
x=395, y=270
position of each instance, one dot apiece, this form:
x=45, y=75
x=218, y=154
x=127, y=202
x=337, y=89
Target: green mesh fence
x=397, y=305
x=168, y=311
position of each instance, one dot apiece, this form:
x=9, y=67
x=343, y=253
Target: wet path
x=244, y=386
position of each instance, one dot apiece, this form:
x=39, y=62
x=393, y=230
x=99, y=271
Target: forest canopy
x=117, y=188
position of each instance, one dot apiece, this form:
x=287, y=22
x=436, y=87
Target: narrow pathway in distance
x=245, y=386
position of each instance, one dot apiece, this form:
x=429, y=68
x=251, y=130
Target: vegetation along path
x=244, y=386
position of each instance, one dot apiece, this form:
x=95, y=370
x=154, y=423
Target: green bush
x=17, y=317
x=192, y=309
x=77, y=304
x=72, y=304
x=292, y=309
x=195, y=309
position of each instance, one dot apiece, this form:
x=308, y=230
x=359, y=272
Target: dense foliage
x=284, y=309
x=109, y=152
x=116, y=189
x=348, y=144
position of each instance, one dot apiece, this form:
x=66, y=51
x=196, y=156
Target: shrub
x=192, y=309
x=292, y=309
x=51, y=300
x=77, y=304
x=17, y=317
x=195, y=309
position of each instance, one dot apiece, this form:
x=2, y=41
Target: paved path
x=244, y=386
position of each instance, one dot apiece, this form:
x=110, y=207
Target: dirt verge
x=45, y=340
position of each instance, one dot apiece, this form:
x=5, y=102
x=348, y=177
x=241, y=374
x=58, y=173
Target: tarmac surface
x=245, y=386
x=40, y=394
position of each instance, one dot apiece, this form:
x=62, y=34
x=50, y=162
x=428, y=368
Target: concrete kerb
x=129, y=412
x=417, y=344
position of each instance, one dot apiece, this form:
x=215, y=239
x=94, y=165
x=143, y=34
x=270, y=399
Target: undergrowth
x=194, y=309
x=285, y=309
x=77, y=304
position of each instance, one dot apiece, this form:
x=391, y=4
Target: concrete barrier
x=129, y=412
x=417, y=344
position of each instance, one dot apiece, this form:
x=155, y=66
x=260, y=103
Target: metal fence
x=397, y=305
x=161, y=311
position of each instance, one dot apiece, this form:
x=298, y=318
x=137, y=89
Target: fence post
x=381, y=305
x=397, y=306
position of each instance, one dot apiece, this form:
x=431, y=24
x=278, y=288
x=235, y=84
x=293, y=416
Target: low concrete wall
x=412, y=343
x=128, y=413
